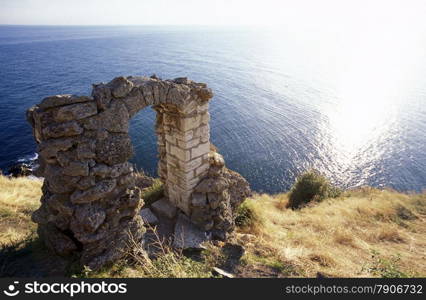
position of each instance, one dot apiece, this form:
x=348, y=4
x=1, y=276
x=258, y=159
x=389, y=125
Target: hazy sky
x=212, y=12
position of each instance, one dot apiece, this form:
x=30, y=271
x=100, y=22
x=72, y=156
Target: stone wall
x=90, y=202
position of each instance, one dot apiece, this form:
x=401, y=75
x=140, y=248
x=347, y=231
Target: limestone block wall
x=186, y=147
x=90, y=202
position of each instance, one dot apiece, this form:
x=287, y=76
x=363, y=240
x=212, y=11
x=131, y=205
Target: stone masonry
x=90, y=203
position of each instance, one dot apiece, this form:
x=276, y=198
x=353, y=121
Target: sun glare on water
x=376, y=66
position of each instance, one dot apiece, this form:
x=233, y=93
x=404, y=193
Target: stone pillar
x=187, y=148
x=90, y=203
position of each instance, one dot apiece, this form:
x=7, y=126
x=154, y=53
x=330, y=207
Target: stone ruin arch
x=90, y=203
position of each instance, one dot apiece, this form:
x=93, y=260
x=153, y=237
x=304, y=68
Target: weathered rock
x=57, y=241
x=238, y=189
x=86, y=149
x=127, y=180
x=164, y=207
x=223, y=191
x=105, y=171
x=182, y=80
x=115, y=149
x=49, y=149
x=62, y=129
x=108, y=250
x=216, y=159
x=187, y=235
x=113, y=119
x=148, y=93
x=61, y=100
x=120, y=87
x=217, y=271
x=76, y=168
x=57, y=182
x=199, y=199
x=212, y=185
x=148, y=217
x=214, y=200
x=102, y=95
x=87, y=218
x=100, y=190
x=86, y=182
x=134, y=101
x=76, y=111
x=60, y=203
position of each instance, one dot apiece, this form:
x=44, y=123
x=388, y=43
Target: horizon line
x=211, y=25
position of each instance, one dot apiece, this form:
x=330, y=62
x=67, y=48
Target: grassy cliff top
x=362, y=233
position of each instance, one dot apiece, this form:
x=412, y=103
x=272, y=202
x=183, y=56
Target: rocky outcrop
x=20, y=169
x=216, y=197
x=91, y=203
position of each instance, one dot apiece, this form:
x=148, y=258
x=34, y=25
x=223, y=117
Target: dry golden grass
x=169, y=263
x=361, y=234
x=19, y=197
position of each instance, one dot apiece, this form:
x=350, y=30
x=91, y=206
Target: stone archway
x=90, y=202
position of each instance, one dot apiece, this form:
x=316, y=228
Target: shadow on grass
x=30, y=258
x=17, y=259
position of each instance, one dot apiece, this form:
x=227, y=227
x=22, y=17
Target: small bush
x=153, y=193
x=385, y=267
x=311, y=186
x=246, y=215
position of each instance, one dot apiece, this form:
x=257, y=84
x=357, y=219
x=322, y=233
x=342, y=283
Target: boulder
x=165, y=208
x=219, y=272
x=120, y=86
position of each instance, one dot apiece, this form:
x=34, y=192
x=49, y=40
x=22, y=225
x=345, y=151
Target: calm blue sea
x=352, y=106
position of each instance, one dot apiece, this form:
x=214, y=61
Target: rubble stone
x=164, y=207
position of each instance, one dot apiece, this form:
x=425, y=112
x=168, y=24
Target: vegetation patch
x=247, y=215
x=153, y=193
x=386, y=267
x=311, y=186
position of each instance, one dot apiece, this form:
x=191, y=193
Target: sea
x=351, y=105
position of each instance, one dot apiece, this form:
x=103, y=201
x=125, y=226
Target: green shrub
x=246, y=215
x=386, y=267
x=311, y=186
x=153, y=193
